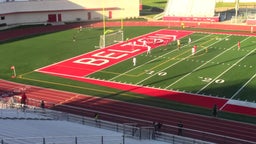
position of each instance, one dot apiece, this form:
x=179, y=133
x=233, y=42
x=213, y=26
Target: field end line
x=239, y=90
x=199, y=66
x=226, y=69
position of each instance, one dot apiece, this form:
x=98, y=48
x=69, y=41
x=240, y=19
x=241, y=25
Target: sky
x=29, y=130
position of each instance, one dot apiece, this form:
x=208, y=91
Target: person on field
x=189, y=40
x=178, y=44
x=144, y=43
x=134, y=61
x=194, y=49
x=74, y=38
x=148, y=50
x=206, y=49
x=238, y=45
x=80, y=28
x=182, y=25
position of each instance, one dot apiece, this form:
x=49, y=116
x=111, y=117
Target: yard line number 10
x=150, y=72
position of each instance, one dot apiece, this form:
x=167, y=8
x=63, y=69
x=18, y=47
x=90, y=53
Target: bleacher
x=30, y=127
x=30, y=124
x=190, y=10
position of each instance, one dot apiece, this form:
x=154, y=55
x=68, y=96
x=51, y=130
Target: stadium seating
x=190, y=10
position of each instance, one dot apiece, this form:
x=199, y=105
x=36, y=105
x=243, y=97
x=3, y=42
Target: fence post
x=83, y=121
x=140, y=134
x=2, y=141
x=44, y=141
x=123, y=139
x=75, y=140
x=101, y=139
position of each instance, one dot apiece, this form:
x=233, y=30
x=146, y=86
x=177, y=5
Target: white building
x=190, y=10
x=21, y=11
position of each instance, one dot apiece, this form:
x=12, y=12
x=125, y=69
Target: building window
x=2, y=17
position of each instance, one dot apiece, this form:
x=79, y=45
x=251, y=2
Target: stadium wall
x=47, y=11
x=191, y=10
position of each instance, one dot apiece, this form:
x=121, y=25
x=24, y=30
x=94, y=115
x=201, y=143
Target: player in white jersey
x=189, y=40
x=134, y=61
x=148, y=50
x=144, y=43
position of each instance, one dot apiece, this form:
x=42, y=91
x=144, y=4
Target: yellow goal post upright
x=110, y=36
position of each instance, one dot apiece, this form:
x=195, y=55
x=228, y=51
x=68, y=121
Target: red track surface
x=234, y=132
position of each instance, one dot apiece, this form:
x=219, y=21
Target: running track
x=215, y=129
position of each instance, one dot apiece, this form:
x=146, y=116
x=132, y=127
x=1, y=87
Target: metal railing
x=128, y=130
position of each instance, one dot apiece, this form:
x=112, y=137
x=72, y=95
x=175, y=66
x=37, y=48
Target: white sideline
x=242, y=103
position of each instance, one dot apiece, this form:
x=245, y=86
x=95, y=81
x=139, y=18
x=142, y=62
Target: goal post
x=111, y=37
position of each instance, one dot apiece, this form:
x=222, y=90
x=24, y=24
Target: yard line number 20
x=208, y=79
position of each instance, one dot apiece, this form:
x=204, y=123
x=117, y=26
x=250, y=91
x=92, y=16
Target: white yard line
x=226, y=69
x=153, y=60
x=168, y=67
x=199, y=66
x=239, y=91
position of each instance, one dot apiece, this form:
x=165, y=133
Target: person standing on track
x=42, y=104
x=180, y=128
x=96, y=117
x=215, y=110
x=23, y=100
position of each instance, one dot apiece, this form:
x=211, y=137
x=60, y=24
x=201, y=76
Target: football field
x=218, y=68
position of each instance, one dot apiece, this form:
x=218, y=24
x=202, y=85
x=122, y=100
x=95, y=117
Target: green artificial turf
x=31, y=53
